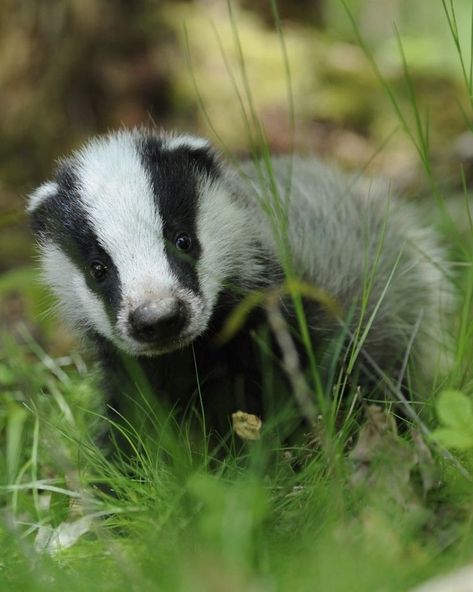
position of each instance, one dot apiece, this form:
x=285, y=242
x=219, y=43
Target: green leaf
x=455, y=413
x=453, y=438
x=454, y=410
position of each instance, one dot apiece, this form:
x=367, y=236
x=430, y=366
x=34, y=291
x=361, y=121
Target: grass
x=347, y=507
x=171, y=517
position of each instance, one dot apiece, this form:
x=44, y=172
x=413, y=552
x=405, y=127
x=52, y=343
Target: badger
x=150, y=240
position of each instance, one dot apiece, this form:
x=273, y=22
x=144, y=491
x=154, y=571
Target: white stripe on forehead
x=117, y=194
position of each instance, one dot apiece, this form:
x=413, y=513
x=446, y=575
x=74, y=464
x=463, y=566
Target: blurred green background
x=73, y=68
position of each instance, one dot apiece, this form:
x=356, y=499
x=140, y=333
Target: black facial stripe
x=62, y=219
x=174, y=175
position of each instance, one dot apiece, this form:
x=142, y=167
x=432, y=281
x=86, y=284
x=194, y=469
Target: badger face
x=137, y=237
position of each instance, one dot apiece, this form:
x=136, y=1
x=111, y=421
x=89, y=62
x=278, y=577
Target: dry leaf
x=246, y=425
x=52, y=540
x=384, y=461
x=427, y=468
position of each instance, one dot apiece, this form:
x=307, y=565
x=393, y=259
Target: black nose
x=157, y=321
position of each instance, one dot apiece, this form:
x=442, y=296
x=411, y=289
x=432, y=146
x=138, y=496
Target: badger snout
x=158, y=321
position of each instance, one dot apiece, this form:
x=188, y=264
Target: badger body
x=150, y=240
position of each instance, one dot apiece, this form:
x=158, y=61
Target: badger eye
x=98, y=270
x=183, y=242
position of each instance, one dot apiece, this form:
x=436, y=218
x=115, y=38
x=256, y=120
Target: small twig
x=290, y=360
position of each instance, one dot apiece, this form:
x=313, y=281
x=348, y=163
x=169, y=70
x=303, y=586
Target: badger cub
x=149, y=241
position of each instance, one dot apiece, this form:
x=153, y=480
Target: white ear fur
x=40, y=194
x=186, y=141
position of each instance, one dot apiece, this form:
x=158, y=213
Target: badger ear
x=187, y=141
x=40, y=195
x=206, y=160
x=201, y=152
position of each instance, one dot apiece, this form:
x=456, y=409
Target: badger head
x=138, y=234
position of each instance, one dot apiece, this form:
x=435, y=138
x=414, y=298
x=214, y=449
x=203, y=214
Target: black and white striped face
x=137, y=235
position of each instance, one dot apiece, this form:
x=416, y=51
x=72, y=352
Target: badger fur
x=149, y=240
